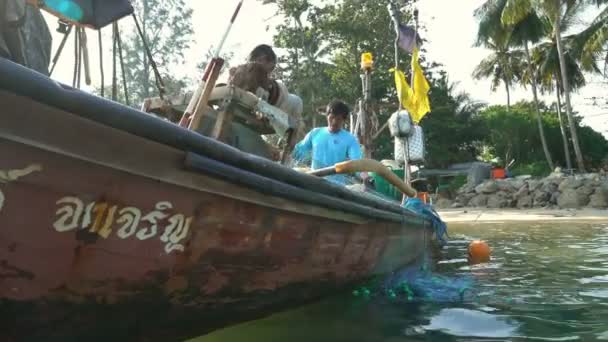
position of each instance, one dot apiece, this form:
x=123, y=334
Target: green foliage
x=453, y=129
x=321, y=53
x=167, y=26
x=513, y=135
x=536, y=169
x=320, y=44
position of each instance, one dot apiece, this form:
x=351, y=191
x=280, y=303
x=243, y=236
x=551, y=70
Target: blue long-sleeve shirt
x=327, y=149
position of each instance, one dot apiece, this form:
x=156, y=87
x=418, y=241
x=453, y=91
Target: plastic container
x=386, y=188
x=499, y=173
x=400, y=124
x=416, y=147
x=424, y=197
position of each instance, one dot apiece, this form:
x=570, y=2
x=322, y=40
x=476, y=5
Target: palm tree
x=530, y=29
x=595, y=38
x=502, y=66
x=546, y=59
x=517, y=10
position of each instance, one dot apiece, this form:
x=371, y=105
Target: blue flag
x=407, y=38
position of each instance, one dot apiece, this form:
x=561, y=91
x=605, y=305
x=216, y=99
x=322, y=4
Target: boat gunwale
x=27, y=83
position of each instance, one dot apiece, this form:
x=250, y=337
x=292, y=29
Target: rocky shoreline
x=557, y=191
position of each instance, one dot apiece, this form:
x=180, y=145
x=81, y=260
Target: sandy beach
x=474, y=215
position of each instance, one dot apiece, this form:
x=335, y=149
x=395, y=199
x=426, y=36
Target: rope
x=114, y=86
x=122, y=66
x=60, y=49
x=101, y=62
x=159, y=81
x=79, y=57
x=75, y=58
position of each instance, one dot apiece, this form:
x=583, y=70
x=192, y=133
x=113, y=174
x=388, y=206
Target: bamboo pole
x=203, y=100
x=195, y=101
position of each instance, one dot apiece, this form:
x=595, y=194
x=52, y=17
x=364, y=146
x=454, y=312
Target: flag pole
x=415, y=44
x=394, y=12
x=406, y=149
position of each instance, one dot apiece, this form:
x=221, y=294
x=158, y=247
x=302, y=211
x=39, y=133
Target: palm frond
x=515, y=11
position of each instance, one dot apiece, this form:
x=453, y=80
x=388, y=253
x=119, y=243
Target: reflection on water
x=545, y=283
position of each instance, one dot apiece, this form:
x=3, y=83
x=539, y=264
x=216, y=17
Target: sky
x=451, y=30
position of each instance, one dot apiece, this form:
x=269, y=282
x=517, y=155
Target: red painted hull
x=104, y=236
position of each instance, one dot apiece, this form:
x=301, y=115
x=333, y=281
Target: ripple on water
x=593, y=280
x=600, y=250
x=452, y=261
x=472, y=323
x=597, y=293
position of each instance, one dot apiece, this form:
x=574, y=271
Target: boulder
x=464, y=199
x=541, y=198
x=570, y=198
x=501, y=199
x=525, y=202
x=554, y=197
x=523, y=177
x=598, y=201
x=443, y=203
x=522, y=192
x=600, y=198
x=488, y=187
x=517, y=183
x=570, y=183
x=479, y=201
x=534, y=185
x=550, y=188
x=585, y=190
x=506, y=185
x=467, y=188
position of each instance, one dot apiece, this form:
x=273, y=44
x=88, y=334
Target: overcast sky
x=450, y=25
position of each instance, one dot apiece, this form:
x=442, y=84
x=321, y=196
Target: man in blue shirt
x=330, y=145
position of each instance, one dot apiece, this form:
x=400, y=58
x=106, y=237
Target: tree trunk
x=539, y=119
x=562, y=64
x=561, y=125
x=508, y=96
x=146, y=80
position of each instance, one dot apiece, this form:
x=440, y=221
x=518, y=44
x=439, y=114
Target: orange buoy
x=479, y=252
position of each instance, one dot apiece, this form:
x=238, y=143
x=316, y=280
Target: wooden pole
x=196, y=98
x=202, y=104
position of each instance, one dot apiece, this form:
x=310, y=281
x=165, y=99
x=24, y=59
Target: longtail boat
x=117, y=225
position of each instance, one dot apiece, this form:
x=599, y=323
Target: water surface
x=546, y=282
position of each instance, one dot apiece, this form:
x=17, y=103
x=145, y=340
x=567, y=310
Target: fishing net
x=419, y=284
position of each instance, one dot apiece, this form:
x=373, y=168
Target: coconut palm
x=517, y=10
x=528, y=30
x=502, y=66
x=546, y=59
x=592, y=43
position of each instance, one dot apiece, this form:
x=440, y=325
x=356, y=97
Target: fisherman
x=256, y=76
x=330, y=145
x=264, y=55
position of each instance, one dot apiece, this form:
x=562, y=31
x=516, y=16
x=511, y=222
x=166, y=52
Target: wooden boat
x=116, y=225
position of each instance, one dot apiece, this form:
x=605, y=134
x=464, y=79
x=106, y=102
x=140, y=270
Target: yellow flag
x=421, y=90
x=404, y=92
x=414, y=99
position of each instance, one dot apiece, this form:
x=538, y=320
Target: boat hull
x=109, y=235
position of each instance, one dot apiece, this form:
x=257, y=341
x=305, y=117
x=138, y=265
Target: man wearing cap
x=330, y=145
